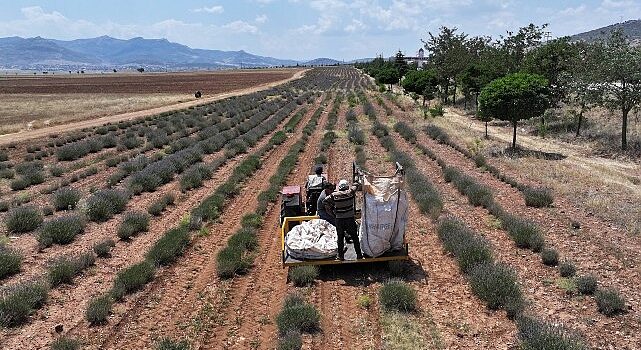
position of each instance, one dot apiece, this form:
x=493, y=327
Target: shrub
x=169, y=246
x=132, y=279
x=535, y=334
x=232, y=260
x=297, y=316
x=61, y=230
x=23, y=219
x=244, y=239
x=538, y=197
x=4, y=206
x=252, y=220
x=405, y=131
x=523, y=232
x=103, y=248
x=355, y=135
x=303, y=276
x=397, y=295
x=10, y=261
x=497, y=286
x=468, y=248
x=168, y=344
x=66, y=198
x=157, y=207
x=586, y=284
x=550, y=257
x=6, y=174
x=64, y=343
x=99, y=309
x=567, y=269
x=132, y=223
x=290, y=341
x=104, y=204
x=56, y=171
x=64, y=269
x=194, y=177
x=19, y=184
x=19, y=301
x=437, y=111
x=609, y=302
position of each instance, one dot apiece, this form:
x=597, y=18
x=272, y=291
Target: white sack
x=314, y=239
x=384, y=214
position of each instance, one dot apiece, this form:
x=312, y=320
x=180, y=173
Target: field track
x=58, y=129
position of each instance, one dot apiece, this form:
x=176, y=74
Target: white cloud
x=212, y=9
x=241, y=27
x=355, y=26
x=261, y=19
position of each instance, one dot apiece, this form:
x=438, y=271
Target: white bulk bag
x=384, y=214
x=314, y=239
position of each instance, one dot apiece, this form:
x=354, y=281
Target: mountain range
x=106, y=53
x=631, y=29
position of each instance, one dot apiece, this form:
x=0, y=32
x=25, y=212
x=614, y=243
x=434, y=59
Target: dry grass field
x=28, y=103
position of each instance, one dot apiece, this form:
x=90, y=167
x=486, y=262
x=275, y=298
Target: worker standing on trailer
x=328, y=188
x=317, y=179
x=341, y=203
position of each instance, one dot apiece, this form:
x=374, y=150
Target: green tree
x=449, y=55
x=620, y=77
x=514, y=97
x=422, y=82
x=387, y=75
x=400, y=64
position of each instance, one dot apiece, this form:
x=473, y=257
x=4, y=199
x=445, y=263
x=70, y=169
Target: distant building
x=419, y=58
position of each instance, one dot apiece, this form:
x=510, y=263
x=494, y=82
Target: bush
x=168, y=344
x=355, y=135
x=4, y=206
x=609, y=302
x=535, y=335
x=550, y=257
x=468, y=248
x=586, y=284
x=497, y=286
x=19, y=301
x=64, y=269
x=23, y=219
x=6, y=174
x=64, y=343
x=19, y=184
x=397, y=295
x=538, y=197
x=232, y=260
x=523, y=232
x=405, y=131
x=303, y=276
x=103, y=248
x=252, y=220
x=61, y=230
x=99, y=309
x=157, y=207
x=567, y=269
x=244, y=239
x=297, y=316
x=66, y=198
x=290, y=341
x=437, y=111
x=194, y=177
x=132, y=278
x=104, y=204
x=56, y=171
x=171, y=245
x=10, y=261
x=132, y=223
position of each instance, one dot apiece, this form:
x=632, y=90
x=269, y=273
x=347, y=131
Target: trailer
x=383, y=214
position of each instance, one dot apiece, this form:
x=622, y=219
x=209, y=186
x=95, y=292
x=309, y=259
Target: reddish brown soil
x=207, y=82
x=197, y=300
x=445, y=300
x=208, y=97
x=589, y=249
x=100, y=278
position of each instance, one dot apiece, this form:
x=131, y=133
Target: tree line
x=520, y=75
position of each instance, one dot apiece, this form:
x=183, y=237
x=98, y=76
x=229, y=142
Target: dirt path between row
x=589, y=250
x=59, y=309
x=58, y=129
x=188, y=300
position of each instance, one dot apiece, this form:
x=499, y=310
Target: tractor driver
x=328, y=188
x=341, y=203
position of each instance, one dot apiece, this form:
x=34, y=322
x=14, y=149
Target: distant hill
x=322, y=62
x=632, y=29
x=106, y=52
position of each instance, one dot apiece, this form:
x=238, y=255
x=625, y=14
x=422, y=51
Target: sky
x=298, y=29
